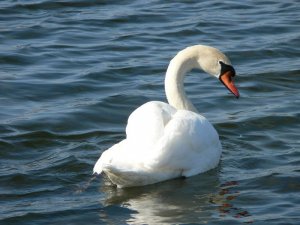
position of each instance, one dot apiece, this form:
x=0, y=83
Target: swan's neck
x=179, y=66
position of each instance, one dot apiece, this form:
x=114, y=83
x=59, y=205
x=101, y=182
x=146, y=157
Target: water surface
x=72, y=71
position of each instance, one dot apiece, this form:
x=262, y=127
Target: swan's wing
x=190, y=145
x=145, y=127
x=127, y=167
x=146, y=124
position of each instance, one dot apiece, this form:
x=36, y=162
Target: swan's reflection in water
x=200, y=199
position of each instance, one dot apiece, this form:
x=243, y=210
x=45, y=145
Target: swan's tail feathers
x=104, y=160
x=108, y=156
x=97, y=171
x=98, y=168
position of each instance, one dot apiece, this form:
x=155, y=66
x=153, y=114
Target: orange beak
x=227, y=80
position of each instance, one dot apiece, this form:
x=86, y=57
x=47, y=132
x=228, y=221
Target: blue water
x=71, y=71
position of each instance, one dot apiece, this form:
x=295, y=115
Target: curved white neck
x=179, y=66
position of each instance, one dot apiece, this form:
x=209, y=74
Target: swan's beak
x=227, y=80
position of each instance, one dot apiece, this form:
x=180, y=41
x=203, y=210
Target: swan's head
x=227, y=73
x=215, y=63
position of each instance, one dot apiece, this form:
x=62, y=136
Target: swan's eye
x=225, y=68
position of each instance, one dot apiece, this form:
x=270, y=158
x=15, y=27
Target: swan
x=166, y=141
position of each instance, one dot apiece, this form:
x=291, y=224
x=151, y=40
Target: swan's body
x=166, y=141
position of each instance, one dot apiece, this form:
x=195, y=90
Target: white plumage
x=167, y=141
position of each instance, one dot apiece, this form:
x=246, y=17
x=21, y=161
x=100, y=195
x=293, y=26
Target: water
x=71, y=71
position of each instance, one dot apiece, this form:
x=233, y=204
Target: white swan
x=166, y=141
